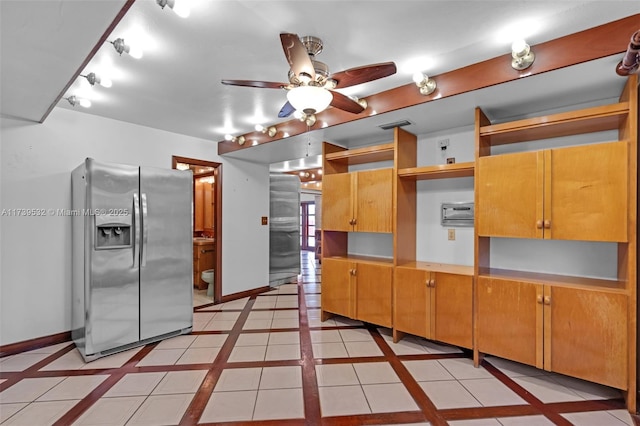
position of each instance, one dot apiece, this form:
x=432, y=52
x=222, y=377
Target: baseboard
x=38, y=342
x=247, y=293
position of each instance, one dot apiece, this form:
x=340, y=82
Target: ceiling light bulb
x=228, y=137
x=320, y=171
x=301, y=174
x=179, y=7
x=121, y=46
x=522, y=55
x=93, y=78
x=418, y=77
x=298, y=114
x=259, y=127
x=74, y=100
x=519, y=47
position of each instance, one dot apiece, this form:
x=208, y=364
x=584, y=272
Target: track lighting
x=121, y=47
x=522, y=55
x=271, y=130
x=239, y=139
x=95, y=79
x=427, y=85
x=74, y=101
x=179, y=7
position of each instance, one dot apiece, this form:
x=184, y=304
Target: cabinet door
x=198, y=216
x=336, y=286
x=374, y=293
x=208, y=206
x=588, y=193
x=510, y=191
x=411, y=307
x=510, y=321
x=337, y=211
x=586, y=335
x=373, y=206
x=452, y=313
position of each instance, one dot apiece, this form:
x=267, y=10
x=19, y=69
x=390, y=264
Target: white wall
x=35, y=252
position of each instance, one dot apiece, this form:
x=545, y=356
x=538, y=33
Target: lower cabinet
x=580, y=332
x=203, y=259
x=434, y=305
x=359, y=290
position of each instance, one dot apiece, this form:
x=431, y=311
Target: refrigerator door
x=111, y=287
x=166, y=253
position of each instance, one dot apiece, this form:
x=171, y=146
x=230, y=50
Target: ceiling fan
x=310, y=86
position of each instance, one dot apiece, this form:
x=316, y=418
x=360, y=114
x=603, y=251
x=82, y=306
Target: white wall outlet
x=443, y=144
x=451, y=234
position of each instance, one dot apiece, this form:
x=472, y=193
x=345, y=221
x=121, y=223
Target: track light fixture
x=121, y=47
x=427, y=85
x=239, y=139
x=94, y=79
x=180, y=8
x=522, y=55
x=74, y=101
x=271, y=130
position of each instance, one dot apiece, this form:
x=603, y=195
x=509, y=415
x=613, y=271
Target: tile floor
x=270, y=360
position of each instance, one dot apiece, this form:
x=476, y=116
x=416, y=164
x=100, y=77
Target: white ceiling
x=176, y=85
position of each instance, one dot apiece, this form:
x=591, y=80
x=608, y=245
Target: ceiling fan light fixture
x=309, y=99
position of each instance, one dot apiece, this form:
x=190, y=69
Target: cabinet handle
x=539, y=298
x=539, y=224
x=547, y=224
x=433, y=283
x=428, y=283
x=207, y=251
x=355, y=221
x=352, y=271
x=547, y=300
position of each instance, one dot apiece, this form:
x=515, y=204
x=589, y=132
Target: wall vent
x=395, y=124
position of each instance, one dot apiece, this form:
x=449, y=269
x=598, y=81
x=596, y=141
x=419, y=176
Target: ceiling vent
x=395, y=124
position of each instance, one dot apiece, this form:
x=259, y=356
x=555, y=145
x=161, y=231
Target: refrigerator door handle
x=136, y=225
x=145, y=230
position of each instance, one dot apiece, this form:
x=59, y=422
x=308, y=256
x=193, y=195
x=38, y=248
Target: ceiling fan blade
x=251, y=83
x=297, y=55
x=345, y=103
x=286, y=110
x=363, y=74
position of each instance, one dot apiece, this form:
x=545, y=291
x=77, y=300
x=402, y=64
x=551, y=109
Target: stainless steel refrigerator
x=284, y=229
x=132, y=233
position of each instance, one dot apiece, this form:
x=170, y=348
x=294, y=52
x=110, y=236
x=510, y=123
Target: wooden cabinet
x=204, y=252
x=575, y=193
x=358, y=201
x=204, y=205
x=359, y=290
x=581, y=332
x=435, y=305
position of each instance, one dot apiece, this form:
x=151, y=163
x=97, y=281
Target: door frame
x=217, y=281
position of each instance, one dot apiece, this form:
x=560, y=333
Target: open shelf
x=367, y=154
x=364, y=259
x=595, y=119
x=439, y=267
x=613, y=286
x=441, y=171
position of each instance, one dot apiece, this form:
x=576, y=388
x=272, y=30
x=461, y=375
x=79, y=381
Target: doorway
x=207, y=221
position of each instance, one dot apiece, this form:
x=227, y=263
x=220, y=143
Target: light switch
x=265, y=220
x=451, y=234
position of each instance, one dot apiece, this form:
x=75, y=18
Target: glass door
x=307, y=225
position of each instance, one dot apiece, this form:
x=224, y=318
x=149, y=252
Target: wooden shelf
x=596, y=119
x=439, y=267
x=363, y=259
x=441, y=171
x=367, y=154
x=613, y=286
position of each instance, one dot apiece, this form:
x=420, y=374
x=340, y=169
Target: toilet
x=207, y=276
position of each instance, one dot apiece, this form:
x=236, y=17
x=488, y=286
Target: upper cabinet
x=575, y=193
x=358, y=201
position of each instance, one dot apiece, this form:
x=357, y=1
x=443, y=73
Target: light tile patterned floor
x=269, y=358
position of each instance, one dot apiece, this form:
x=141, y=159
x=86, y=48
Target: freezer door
x=166, y=258
x=111, y=287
